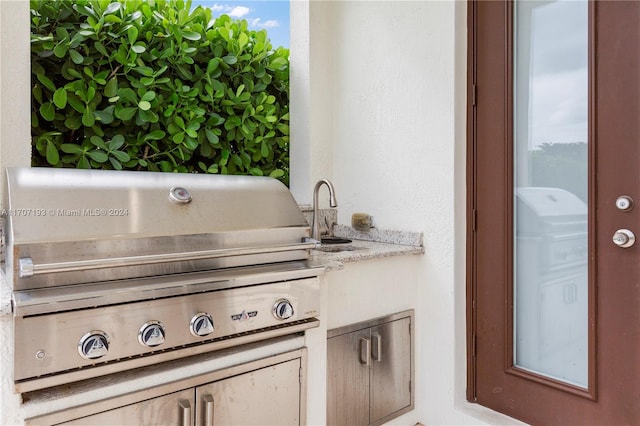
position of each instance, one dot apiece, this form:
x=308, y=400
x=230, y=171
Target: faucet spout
x=315, y=229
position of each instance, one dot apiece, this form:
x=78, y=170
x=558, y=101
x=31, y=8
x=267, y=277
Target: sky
x=270, y=15
x=559, y=75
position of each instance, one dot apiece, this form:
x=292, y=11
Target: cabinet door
x=267, y=396
x=390, y=368
x=348, y=361
x=170, y=410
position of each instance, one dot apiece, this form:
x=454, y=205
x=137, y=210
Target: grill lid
x=78, y=226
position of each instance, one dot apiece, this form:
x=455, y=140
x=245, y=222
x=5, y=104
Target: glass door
x=551, y=188
x=554, y=142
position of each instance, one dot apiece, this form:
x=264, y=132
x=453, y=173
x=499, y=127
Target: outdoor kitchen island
x=379, y=261
x=371, y=291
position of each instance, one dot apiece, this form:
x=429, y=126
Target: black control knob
x=283, y=309
x=151, y=334
x=201, y=324
x=93, y=345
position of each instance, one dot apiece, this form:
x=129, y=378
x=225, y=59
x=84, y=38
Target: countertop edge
x=360, y=250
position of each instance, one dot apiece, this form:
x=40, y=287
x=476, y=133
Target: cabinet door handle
x=208, y=410
x=185, y=412
x=376, y=350
x=365, y=351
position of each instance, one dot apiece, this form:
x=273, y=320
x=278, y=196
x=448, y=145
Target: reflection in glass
x=550, y=180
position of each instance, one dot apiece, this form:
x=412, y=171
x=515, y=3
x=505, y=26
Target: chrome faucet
x=315, y=229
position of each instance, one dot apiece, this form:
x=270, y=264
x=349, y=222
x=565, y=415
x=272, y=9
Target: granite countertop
x=367, y=245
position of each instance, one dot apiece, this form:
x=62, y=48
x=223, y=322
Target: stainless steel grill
x=113, y=270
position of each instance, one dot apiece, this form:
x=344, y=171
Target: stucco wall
x=387, y=126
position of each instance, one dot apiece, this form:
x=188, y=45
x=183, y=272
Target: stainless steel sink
x=335, y=244
x=334, y=240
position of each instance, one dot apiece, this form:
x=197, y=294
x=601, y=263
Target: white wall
x=15, y=150
x=391, y=113
x=15, y=86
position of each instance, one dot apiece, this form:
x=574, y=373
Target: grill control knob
x=93, y=345
x=151, y=334
x=283, y=309
x=201, y=325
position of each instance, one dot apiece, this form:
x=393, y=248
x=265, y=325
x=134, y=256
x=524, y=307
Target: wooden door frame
x=472, y=192
x=471, y=199
x=604, y=123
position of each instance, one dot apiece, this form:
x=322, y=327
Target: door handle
x=185, y=412
x=376, y=349
x=624, y=238
x=365, y=351
x=208, y=410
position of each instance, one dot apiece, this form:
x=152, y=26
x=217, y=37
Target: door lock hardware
x=624, y=203
x=624, y=238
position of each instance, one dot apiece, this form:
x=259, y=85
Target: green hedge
x=152, y=85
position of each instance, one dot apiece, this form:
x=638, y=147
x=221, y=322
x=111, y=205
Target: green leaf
x=125, y=114
x=115, y=163
x=98, y=156
x=211, y=137
x=190, y=143
x=100, y=48
x=53, y=157
x=83, y=163
x=48, y=111
x=149, y=96
x=243, y=39
x=144, y=105
x=98, y=142
x=116, y=142
x=190, y=35
x=46, y=82
x=60, y=98
x=112, y=19
x=138, y=48
x=132, y=34
x=121, y=156
x=178, y=137
x=155, y=135
x=278, y=63
x=230, y=59
x=61, y=49
x=105, y=116
x=70, y=148
x=76, y=57
x=75, y=102
x=88, y=119
x=73, y=122
x=112, y=8
x=111, y=89
x=277, y=173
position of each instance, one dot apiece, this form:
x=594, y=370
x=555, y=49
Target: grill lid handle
x=26, y=268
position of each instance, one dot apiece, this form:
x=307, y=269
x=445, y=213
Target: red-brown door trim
x=471, y=293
